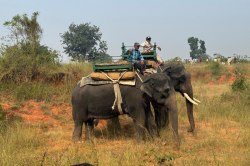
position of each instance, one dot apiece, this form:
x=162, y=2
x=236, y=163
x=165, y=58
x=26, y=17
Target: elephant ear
x=167, y=70
x=182, y=78
x=146, y=87
x=176, y=72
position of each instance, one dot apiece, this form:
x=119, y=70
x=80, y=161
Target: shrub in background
x=240, y=83
x=215, y=68
x=19, y=64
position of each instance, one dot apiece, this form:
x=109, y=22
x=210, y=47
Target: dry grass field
x=38, y=132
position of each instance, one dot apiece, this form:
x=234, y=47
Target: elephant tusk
x=189, y=99
x=196, y=100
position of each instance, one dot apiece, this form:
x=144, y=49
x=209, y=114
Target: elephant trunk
x=189, y=105
x=161, y=117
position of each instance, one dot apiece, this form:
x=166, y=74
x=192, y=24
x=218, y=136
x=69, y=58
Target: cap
x=148, y=38
x=136, y=44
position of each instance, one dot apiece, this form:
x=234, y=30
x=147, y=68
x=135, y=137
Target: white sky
x=223, y=24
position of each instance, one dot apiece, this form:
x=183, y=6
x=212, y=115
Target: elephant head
x=157, y=87
x=181, y=81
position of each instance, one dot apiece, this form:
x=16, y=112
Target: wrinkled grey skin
x=95, y=102
x=164, y=103
x=181, y=81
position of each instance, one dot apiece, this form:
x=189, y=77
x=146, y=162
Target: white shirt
x=147, y=46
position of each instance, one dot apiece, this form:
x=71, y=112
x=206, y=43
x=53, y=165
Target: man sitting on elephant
x=147, y=48
x=136, y=58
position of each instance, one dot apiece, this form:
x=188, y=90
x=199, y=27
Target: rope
x=117, y=91
x=118, y=98
x=114, y=81
x=138, y=76
x=108, y=77
x=160, y=68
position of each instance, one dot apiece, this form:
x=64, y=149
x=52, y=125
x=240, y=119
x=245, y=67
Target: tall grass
x=18, y=143
x=56, y=86
x=221, y=136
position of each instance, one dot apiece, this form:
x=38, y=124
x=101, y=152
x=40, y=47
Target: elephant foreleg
x=138, y=116
x=140, y=134
x=173, y=115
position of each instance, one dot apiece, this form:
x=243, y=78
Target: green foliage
x=19, y=64
x=193, y=43
x=220, y=57
x=55, y=85
x=175, y=59
x=83, y=42
x=202, y=47
x=26, y=59
x=25, y=30
x=240, y=83
x=195, y=52
x=215, y=68
x=37, y=91
x=18, y=143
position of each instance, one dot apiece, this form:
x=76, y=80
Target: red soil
x=34, y=112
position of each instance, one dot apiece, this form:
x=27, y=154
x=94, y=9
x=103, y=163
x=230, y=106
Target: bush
x=215, y=68
x=240, y=83
x=19, y=64
x=35, y=91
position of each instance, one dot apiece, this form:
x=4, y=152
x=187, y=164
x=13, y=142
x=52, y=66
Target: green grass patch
x=18, y=143
x=215, y=68
x=36, y=91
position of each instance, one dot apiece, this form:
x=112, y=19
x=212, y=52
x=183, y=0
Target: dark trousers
x=139, y=66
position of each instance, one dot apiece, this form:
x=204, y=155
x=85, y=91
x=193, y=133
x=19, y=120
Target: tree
x=83, y=42
x=25, y=30
x=193, y=43
x=197, y=52
x=26, y=58
x=202, y=47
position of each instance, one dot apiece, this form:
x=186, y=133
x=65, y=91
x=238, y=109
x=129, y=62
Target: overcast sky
x=223, y=24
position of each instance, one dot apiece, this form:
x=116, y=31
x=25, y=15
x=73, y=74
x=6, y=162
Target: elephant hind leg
x=89, y=127
x=77, y=134
x=140, y=131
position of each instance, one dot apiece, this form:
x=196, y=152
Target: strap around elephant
x=160, y=68
x=138, y=76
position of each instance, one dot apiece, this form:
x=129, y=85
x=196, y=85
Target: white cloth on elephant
x=118, y=98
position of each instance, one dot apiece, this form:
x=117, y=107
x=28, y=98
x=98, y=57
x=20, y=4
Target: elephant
x=181, y=80
x=166, y=109
x=92, y=102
